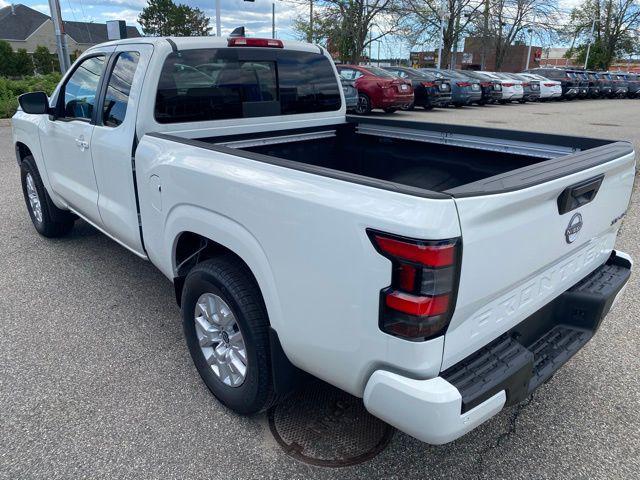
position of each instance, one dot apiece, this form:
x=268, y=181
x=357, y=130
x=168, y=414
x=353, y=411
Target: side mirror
x=36, y=103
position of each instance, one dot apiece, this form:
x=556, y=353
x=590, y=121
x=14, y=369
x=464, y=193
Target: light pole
x=273, y=20
x=485, y=34
x=310, y=36
x=530, y=32
x=443, y=15
x=593, y=27
x=218, y=28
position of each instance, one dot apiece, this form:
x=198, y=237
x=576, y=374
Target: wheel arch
x=191, y=248
x=22, y=151
x=194, y=233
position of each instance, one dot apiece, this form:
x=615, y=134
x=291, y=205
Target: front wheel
x=364, y=105
x=226, y=327
x=48, y=220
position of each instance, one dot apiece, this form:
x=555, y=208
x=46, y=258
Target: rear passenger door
x=113, y=143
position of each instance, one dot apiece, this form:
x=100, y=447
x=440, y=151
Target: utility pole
x=593, y=27
x=310, y=35
x=273, y=20
x=218, y=28
x=61, y=37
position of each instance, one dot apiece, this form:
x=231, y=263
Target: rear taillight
x=486, y=84
x=508, y=84
x=428, y=84
x=254, y=42
x=419, y=302
x=549, y=84
x=464, y=84
x=526, y=84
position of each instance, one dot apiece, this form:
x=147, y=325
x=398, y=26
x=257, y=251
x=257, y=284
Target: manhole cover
x=327, y=427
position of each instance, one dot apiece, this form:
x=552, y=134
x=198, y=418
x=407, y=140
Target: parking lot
x=95, y=379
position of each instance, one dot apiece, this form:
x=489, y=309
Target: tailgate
x=519, y=251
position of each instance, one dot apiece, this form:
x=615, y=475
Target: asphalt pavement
x=96, y=381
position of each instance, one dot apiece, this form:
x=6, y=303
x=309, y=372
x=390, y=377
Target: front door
x=66, y=138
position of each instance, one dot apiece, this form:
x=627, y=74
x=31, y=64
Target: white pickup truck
x=438, y=272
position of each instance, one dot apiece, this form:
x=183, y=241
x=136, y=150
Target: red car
x=377, y=88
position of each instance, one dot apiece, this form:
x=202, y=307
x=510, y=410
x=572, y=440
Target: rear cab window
x=217, y=84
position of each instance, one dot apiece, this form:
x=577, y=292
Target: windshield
x=379, y=72
x=418, y=73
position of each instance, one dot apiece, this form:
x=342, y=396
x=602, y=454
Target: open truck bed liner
x=418, y=158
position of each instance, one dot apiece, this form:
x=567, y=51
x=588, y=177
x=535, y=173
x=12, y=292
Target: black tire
x=230, y=279
x=428, y=106
x=364, y=105
x=54, y=222
x=390, y=110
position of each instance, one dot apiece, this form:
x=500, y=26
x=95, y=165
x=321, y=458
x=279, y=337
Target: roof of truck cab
x=190, y=43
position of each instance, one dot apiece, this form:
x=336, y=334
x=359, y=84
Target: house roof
x=21, y=21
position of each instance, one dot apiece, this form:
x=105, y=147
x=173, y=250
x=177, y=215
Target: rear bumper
x=397, y=101
x=503, y=372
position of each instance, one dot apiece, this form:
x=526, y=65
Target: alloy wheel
x=34, y=198
x=220, y=339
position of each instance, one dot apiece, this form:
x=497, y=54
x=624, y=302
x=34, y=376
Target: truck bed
x=424, y=157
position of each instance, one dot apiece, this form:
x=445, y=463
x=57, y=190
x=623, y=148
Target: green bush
x=10, y=89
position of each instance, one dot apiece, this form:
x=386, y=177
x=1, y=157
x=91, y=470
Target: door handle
x=82, y=144
x=578, y=195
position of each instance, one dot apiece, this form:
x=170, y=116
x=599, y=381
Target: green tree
x=165, y=18
x=22, y=64
x=6, y=59
x=43, y=61
x=348, y=27
x=615, y=34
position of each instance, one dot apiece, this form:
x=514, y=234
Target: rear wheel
x=48, y=220
x=363, y=106
x=227, y=331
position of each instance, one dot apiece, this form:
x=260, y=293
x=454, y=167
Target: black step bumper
x=529, y=354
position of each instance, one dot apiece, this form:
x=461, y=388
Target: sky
x=255, y=16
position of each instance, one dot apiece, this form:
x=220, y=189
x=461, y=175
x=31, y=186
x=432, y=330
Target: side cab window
x=116, y=98
x=78, y=96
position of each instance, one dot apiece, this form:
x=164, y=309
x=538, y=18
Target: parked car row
x=399, y=87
